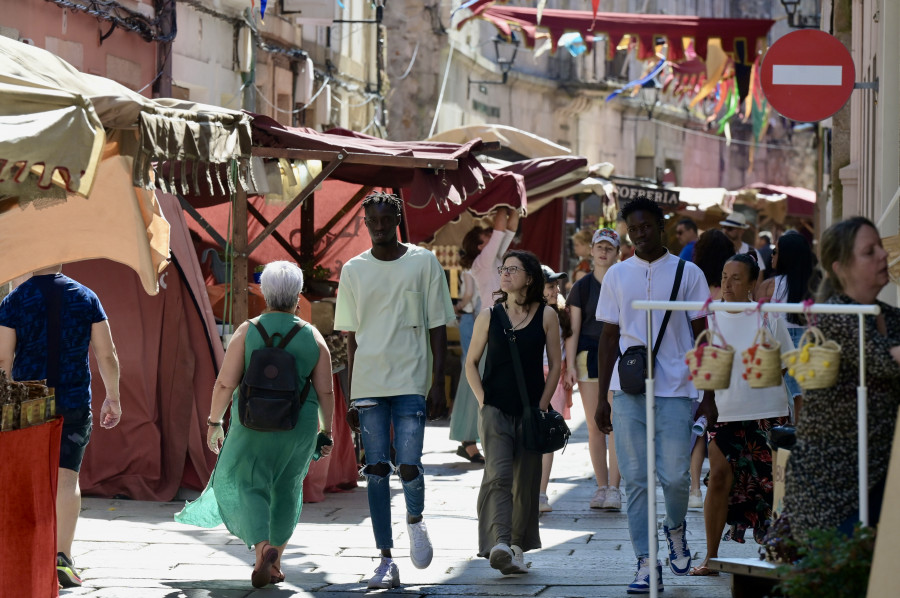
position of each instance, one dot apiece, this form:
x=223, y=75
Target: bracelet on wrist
x=210, y=422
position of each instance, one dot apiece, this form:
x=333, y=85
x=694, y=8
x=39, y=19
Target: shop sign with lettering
x=662, y=196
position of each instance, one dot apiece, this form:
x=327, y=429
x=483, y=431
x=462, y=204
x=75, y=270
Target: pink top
x=484, y=268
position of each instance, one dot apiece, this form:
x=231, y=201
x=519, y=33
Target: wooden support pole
x=239, y=278
x=275, y=234
x=308, y=232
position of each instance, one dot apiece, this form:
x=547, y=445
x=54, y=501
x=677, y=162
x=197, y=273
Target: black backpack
x=270, y=397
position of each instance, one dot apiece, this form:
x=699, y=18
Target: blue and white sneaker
x=641, y=583
x=679, y=553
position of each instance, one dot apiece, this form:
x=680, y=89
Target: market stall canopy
x=52, y=120
x=542, y=180
x=521, y=142
x=445, y=173
x=506, y=189
x=799, y=201
x=678, y=30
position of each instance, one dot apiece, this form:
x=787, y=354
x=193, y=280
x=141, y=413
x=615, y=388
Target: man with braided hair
x=394, y=302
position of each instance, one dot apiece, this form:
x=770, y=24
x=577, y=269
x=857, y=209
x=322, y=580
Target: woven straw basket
x=816, y=362
x=763, y=361
x=710, y=364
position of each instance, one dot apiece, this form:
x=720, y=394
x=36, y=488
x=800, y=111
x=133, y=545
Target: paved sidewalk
x=131, y=549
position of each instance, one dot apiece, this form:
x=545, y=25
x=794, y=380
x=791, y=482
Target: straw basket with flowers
x=815, y=363
x=710, y=363
x=763, y=360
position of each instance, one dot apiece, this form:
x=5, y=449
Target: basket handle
x=817, y=337
x=764, y=337
x=710, y=335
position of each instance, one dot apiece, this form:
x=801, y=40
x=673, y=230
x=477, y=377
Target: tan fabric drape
x=119, y=221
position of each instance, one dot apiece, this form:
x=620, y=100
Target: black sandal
x=476, y=458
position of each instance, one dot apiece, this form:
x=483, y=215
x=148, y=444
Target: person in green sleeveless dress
x=256, y=489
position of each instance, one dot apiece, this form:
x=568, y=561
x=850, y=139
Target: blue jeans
x=673, y=459
x=793, y=387
x=407, y=414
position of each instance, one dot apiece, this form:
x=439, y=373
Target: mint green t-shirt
x=391, y=306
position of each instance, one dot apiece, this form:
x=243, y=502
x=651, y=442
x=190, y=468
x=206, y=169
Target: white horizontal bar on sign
x=806, y=74
x=789, y=308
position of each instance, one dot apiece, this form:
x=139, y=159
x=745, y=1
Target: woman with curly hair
x=508, y=499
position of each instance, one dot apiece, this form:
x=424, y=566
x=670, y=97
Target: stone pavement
x=132, y=549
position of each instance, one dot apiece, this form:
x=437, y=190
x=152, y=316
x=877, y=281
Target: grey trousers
x=508, y=499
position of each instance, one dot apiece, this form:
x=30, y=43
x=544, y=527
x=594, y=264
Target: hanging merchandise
x=24, y=404
x=763, y=360
x=815, y=362
x=710, y=363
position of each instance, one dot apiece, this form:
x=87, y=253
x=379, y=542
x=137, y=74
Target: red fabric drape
x=338, y=471
x=169, y=354
x=345, y=239
x=542, y=233
x=28, y=511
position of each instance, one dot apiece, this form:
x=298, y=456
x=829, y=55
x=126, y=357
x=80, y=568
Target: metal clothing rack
x=794, y=308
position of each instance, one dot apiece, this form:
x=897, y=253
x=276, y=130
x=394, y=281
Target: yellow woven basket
x=762, y=360
x=816, y=362
x=710, y=364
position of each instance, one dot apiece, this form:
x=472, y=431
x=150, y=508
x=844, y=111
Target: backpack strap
x=290, y=335
x=268, y=340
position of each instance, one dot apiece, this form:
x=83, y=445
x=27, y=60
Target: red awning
x=444, y=186
x=644, y=27
x=506, y=189
x=511, y=187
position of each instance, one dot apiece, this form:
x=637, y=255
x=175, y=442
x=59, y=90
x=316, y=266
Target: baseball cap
x=608, y=235
x=551, y=276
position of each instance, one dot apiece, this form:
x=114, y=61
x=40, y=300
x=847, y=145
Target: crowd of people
x=566, y=341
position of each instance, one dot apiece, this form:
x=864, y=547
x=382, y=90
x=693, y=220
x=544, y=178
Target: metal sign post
x=793, y=308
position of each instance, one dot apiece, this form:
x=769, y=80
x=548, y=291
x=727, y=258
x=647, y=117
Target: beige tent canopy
x=522, y=142
x=77, y=154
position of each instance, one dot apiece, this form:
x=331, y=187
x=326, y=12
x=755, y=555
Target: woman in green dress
x=256, y=489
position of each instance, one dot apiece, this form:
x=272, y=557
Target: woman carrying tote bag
x=508, y=500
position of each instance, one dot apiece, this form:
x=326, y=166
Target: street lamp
x=649, y=97
x=505, y=53
x=796, y=20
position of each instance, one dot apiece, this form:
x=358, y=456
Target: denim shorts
x=76, y=433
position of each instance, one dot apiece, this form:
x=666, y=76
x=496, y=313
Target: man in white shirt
x=650, y=275
x=394, y=302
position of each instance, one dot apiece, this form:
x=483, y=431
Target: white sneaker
x=386, y=576
x=695, y=500
x=501, y=558
x=420, y=550
x=613, y=499
x=544, y=504
x=518, y=562
x=679, y=553
x=599, y=498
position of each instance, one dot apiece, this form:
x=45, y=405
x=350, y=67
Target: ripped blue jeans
x=407, y=413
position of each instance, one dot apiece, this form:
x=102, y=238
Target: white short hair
x=281, y=282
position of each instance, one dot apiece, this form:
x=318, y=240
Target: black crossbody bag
x=542, y=431
x=633, y=362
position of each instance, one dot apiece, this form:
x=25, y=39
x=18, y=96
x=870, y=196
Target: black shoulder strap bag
x=542, y=431
x=633, y=362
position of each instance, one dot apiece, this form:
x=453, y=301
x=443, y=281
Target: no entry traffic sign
x=807, y=75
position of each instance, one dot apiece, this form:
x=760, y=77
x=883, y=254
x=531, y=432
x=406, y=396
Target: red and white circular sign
x=807, y=75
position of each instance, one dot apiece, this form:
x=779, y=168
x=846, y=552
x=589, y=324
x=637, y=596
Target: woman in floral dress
x=822, y=473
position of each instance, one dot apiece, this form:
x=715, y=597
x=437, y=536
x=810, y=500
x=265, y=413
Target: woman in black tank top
x=508, y=500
